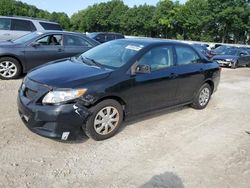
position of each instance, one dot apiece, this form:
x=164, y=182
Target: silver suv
x=15, y=27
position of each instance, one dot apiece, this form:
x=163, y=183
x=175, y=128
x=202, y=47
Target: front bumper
x=225, y=63
x=53, y=121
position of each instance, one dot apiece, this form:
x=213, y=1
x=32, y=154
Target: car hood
x=67, y=73
x=4, y=43
x=222, y=57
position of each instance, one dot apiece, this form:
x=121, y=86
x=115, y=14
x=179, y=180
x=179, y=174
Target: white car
x=14, y=27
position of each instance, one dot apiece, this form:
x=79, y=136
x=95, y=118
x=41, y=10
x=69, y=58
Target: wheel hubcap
x=106, y=120
x=204, y=96
x=7, y=69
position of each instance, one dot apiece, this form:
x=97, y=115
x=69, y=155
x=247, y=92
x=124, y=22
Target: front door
x=46, y=49
x=158, y=88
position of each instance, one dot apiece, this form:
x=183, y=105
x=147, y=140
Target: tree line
x=200, y=20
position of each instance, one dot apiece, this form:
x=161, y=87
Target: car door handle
x=60, y=50
x=6, y=34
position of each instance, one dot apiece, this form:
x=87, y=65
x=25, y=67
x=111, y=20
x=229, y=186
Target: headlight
x=229, y=60
x=62, y=95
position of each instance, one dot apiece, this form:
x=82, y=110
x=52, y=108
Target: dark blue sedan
x=23, y=54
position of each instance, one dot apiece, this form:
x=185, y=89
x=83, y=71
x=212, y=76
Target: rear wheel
x=105, y=120
x=9, y=68
x=202, y=97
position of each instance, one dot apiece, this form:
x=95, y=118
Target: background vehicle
x=14, y=27
x=114, y=80
x=21, y=55
x=203, y=49
x=105, y=36
x=233, y=57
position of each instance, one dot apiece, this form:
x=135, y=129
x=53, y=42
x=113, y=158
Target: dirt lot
x=172, y=148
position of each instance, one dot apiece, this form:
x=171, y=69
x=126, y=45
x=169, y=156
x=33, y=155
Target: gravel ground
x=172, y=148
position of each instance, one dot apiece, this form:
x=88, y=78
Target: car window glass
x=101, y=37
x=22, y=25
x=244, y=52
x=70, y=40
x=4, y=24
x=110, y=37
x=50, y=26
x=186, y=55
x=158, y=58
x=52, y=40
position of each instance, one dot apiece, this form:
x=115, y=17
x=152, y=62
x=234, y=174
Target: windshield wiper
x=92, y=61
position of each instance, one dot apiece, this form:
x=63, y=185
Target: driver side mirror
x=144, y=69
x=35, y=44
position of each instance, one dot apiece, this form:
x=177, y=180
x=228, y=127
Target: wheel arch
x=116, y=98
x=211, y=84
x=16, y=58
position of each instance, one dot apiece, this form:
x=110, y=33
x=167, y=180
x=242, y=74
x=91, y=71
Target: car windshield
x=113, y=54
x=26, y=38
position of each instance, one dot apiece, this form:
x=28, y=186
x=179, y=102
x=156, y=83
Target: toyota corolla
x=101, y=88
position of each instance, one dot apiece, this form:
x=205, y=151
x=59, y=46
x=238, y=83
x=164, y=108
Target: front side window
x=70, y=40
x=51, y=40
x=4, y=24
x=158, y=58
x=186, y=55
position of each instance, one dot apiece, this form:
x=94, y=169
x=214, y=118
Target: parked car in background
x=34, y=49
x=104, y=36
x=233, y=57
x=202, y=48
x=14, y=27
x=112, y=82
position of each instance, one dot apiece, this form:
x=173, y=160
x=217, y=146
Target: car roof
x=61, y=32
x=28, y=19
x=104, y=33
x=152, y=41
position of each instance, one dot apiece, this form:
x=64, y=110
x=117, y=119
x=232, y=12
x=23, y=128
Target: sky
x=73, y=6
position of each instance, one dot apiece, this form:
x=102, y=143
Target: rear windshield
x=50, y=26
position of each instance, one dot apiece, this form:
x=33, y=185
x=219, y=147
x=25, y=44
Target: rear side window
x=119, y=36
x=186, y=55
x=22, y=25
x=50, y=26
x=110, y=37
x=70, y=40
x=4, y=24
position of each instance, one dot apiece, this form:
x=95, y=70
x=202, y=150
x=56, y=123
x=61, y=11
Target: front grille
x=30, y=94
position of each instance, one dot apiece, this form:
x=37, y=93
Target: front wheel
x=105, y=120
x=234, y=65
x=202, y=97
x=9, y=68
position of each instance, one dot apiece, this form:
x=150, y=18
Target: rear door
x=74, y=45
x=48, y=48
x=5, y=28
x=190, y=73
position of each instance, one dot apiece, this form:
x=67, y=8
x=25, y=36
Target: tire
x=98, y=126
x=200, y=103
x=234, y=65
x=10, y=68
